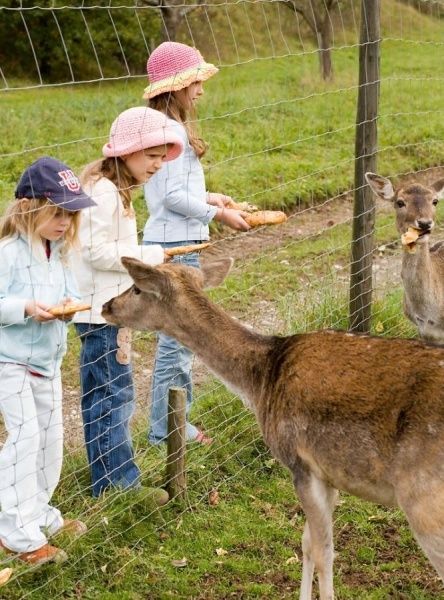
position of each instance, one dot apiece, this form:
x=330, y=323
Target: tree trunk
x=324, y=45
x=171, y=18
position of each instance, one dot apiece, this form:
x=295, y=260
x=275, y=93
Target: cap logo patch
x=69, y=180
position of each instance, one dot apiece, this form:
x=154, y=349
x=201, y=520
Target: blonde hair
x=116, y=171
x=169, y=104
x=27, y=216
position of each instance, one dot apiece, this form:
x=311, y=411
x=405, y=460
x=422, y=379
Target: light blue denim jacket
x=25, y=274
x=176, y=198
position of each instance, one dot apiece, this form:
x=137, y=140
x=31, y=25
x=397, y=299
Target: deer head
x=415, y=205
x=159, y=292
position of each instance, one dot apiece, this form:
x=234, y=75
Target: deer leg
x=425, y=513
x=307, y=565
x=433, y=546
x=318, y=501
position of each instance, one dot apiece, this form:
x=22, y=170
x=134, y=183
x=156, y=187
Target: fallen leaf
x=221, y=551
x=292, y=560
x=213, y=498
x=103, y=568
x=5, y=574
x=179, y=524
x=379, y=328
x=377, y=518
x=179, y=564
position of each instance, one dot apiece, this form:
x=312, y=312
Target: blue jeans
x=172, y=367
x=107, y=407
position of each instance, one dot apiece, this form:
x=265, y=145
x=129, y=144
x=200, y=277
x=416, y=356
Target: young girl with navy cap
x=37, y=233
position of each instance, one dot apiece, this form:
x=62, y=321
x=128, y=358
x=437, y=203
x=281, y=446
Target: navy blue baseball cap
x=49, y=178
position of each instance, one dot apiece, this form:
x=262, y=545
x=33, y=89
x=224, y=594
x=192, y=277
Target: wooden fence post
x=361, y=281
x=175, y=466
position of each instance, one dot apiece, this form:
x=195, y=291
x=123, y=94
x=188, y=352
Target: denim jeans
x=107, y=407
x=172, y=367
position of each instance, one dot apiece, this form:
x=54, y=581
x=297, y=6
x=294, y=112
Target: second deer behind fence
x=422, y=271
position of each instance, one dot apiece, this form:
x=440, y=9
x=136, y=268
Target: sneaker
x=72, y=527
x=40, y=556
x=149, y=495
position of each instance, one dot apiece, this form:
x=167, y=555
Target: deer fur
x=422, y=272
x=341, y=411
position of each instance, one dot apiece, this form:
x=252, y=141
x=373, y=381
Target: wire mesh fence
x=280, y=119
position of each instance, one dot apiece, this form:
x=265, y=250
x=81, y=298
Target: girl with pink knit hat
x=180, y=208
x=140, y=140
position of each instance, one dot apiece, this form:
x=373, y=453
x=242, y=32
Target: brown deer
x=341, y=411
x=422, y=272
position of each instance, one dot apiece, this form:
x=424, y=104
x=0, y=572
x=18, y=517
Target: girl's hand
x=37, y=311
x=219, y=200
x=233, y=218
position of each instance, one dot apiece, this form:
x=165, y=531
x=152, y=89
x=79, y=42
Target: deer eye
x=400, y=203
x=435, y=201
x=136, y=290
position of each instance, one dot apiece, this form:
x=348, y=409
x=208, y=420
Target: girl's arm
x=102, y=253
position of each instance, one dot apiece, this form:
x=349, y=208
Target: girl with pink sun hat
x=180, y=208
x=139, y=141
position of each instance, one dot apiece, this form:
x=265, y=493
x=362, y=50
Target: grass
x=281, y=138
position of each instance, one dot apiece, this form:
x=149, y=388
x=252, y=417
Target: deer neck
x=416, y=269
x=234, y=353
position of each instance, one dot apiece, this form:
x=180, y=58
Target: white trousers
x=31, y=458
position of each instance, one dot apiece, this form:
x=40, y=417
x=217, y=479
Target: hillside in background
x=278, y=134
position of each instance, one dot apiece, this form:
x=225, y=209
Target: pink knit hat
x=173, y=66
x=140, y=128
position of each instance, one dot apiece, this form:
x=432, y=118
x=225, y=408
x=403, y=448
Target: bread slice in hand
x=186, y=249
x=265, y=217
x=68, y=309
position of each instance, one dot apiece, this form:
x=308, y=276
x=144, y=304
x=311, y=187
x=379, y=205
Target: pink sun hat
x=173, y=66
x=139, y=128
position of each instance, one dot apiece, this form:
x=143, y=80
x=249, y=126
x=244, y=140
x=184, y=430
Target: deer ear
x=381, y=186
x=147, y=278
x=214, y=272
x=438, y=186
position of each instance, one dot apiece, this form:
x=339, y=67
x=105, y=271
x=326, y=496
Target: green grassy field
x=281, y=138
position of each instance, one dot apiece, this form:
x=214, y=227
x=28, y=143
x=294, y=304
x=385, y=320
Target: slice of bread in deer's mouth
x=409, y=238
x=265, y=217
x=68, y=309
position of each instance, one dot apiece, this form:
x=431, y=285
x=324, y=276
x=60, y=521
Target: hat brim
x=73, y=203
x=181, y=80
x=152, y=140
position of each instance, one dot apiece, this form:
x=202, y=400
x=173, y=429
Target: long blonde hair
x=169, y=104
x=117, y=172
x=27, y=216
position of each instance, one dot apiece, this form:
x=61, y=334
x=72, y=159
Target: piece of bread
x=246, y=206
x=408, y=239
x=265, y=217
x=68, y=309
x=186, y=249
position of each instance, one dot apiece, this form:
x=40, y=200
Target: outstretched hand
x=233, y=218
